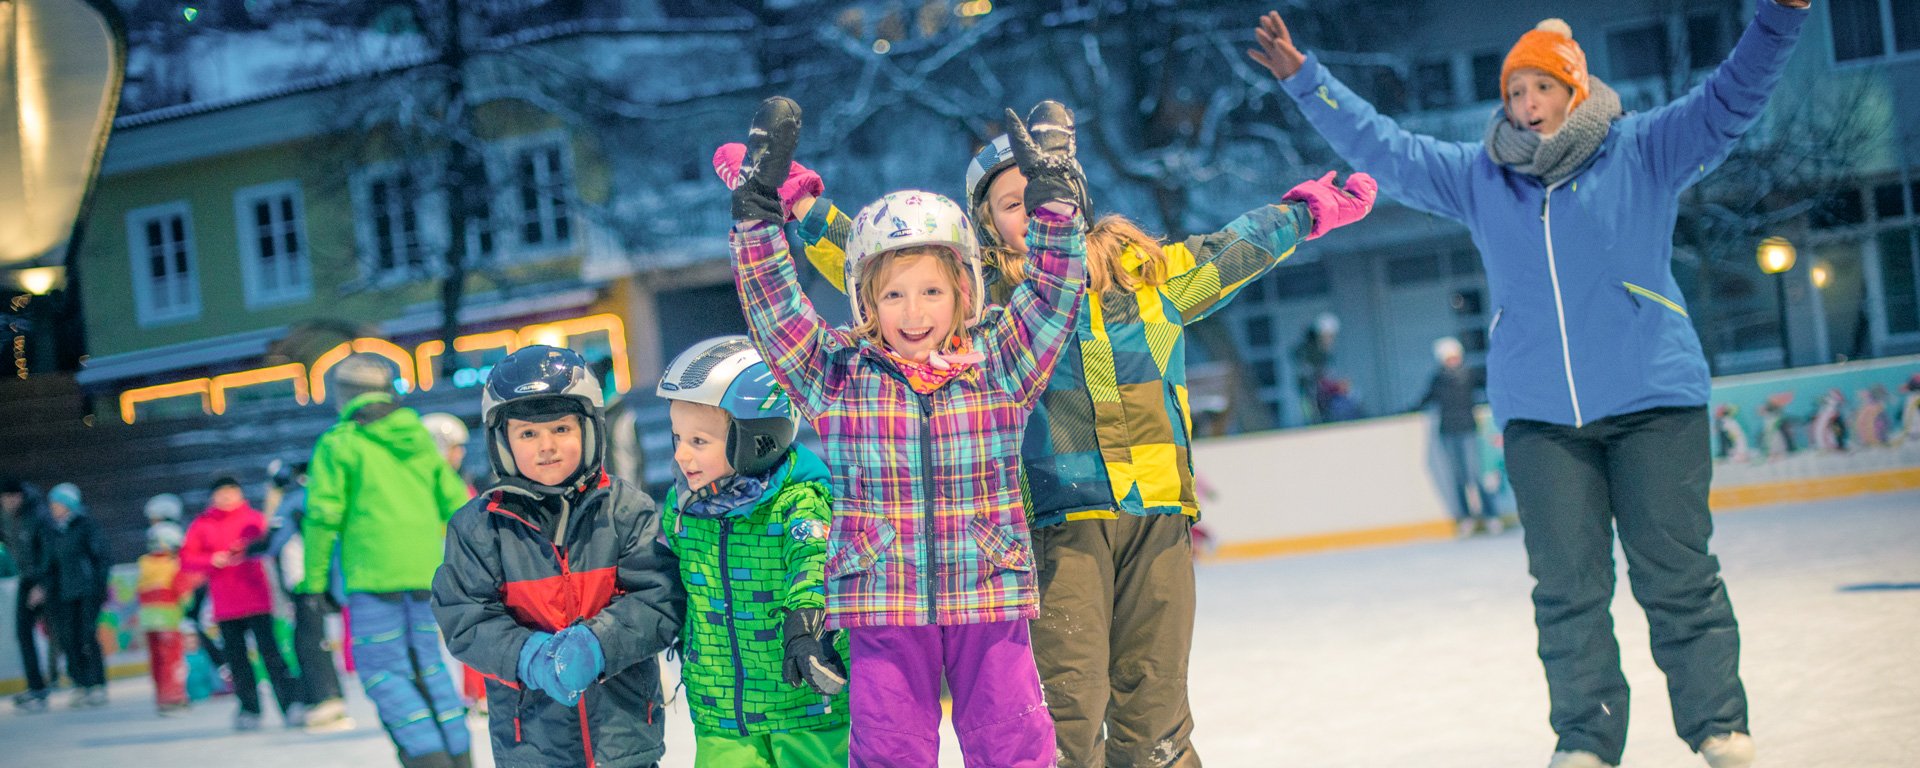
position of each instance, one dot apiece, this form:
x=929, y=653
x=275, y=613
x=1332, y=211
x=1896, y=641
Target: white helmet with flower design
x=905, y=220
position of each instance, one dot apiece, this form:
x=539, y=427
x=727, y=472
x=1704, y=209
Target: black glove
x=776, y=130
x=809, y=661
x=1043, y=147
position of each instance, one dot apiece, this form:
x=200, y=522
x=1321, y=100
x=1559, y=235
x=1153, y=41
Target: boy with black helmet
x=556, y=584
x=749, y=519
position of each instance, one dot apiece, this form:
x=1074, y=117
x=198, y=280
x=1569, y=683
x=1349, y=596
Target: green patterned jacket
x=742, y=574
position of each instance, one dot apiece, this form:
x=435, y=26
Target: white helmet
x=165, y=535
x=1445, y=347
x=904, y=220
x=164, y=507
x=1327, y=323
x=728, y=373
x=447, y=429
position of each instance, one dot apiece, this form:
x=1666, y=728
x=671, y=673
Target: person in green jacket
x=748, y=519
x=378, y=486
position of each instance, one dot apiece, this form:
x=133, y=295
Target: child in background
x=748, y=520
x=216, y=548
x=161, y=596
x=921, y=406
x=450, y=435
x=557, y=585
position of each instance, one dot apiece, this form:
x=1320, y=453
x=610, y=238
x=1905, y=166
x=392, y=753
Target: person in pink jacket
x=242, y=598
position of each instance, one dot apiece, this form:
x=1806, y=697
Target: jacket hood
x=801, y=466
x=396, y=428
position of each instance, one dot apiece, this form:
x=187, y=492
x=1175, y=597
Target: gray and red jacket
x=518, y=562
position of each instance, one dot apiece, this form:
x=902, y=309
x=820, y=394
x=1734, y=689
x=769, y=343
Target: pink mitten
x=1333, y=207
x=802, y=182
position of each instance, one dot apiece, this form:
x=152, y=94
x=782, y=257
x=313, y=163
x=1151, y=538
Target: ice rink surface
x=1417, y=655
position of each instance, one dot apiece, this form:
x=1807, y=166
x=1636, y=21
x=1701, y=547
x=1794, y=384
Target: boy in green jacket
x=749, y=520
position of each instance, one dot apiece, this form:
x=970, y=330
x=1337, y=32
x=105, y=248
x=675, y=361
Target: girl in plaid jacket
x=920, y=405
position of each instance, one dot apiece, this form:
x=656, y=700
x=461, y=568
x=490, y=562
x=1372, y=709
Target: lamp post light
x=1776, y=257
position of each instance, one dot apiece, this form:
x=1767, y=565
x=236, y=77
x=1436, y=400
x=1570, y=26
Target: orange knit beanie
x=1549, y=47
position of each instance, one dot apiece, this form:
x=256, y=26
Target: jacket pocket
x=860, y=553
x=999, y=547
x=1638, y=292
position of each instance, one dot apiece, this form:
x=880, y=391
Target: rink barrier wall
x=1378, y=481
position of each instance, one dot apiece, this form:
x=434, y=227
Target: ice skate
x=1728, y=750
x=1577, y=759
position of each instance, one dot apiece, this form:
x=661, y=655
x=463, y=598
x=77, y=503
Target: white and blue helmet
x=727, y=373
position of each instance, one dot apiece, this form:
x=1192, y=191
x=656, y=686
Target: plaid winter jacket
x=743, y=572
x=517, y=562
x=1112, y=432
x=928, y=525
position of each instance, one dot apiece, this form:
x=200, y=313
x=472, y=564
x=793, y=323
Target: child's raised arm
x=796, y=343
x=1250, y=246
x=822, y=227
x=1025, y=341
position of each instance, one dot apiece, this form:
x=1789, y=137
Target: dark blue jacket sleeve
x=467, y=599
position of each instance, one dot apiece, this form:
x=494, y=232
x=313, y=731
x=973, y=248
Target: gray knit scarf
x=1556, y=157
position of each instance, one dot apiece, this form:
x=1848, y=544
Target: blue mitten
x=536, y=671
x=577, y=659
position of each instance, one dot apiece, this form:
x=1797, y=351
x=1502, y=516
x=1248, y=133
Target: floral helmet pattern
x=908, y=219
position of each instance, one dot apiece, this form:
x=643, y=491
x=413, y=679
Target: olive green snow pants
x=1115, y=629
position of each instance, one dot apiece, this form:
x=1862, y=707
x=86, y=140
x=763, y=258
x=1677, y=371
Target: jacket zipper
x=929, y=574
x=733, y=633
x=566, y=572
x=1559, y=306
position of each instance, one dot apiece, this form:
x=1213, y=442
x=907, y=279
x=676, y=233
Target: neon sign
x=416, y=368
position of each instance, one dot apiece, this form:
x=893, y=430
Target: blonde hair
x=879, y=269
x=1107, y=242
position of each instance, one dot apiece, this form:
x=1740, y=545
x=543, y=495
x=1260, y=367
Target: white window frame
x=428, y=214
x=1888, y=52
x=298, y=285
x=509, y=210
x=138, y=255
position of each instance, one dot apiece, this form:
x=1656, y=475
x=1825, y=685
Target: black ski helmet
x=542, y=383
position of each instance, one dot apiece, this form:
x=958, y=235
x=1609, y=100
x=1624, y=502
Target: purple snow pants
x=999, y=713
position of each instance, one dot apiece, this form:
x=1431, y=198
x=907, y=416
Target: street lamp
x=1776, y=257
x=39, y=280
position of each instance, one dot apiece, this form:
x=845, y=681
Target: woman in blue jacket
x=1594, y=372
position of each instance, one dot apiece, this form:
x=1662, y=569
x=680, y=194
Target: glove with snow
x=1043, y=147
x=576, y=659
x=766, y=162
x=1333, y=207
x=809, y=661
x=535, y=669
x=802, y=182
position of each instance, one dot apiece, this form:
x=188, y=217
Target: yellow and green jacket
x=1111, y=432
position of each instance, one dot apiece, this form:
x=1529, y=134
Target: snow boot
x=1728, y=750
x=1577, y=759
